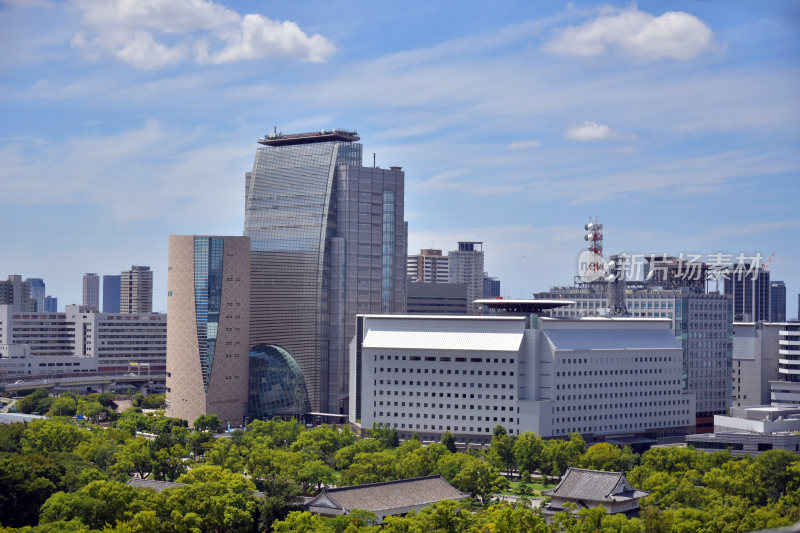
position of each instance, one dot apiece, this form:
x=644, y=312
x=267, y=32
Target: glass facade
x=277, y=386
x=387, y=256
x=328, y=241
x=207, y=293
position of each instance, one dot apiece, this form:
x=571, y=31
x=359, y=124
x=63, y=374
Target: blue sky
x=677, y=123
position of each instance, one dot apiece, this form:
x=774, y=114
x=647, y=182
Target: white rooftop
x=612, y=339
x=453, y=339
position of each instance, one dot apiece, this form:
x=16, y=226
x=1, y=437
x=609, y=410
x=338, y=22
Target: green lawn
x=534, y=489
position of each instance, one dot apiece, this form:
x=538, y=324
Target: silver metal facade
x=328, y=240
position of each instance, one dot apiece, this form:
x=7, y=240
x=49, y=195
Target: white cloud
x=523, y=145
x=150, y=34
x=637, y=34
x=590, y=131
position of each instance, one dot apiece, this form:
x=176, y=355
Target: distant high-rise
x=430, y=266
x=91, y=291
x=50, y=304
x=436, y=298
x=466, y=266
x=136, y=290
x=777, y=301
x=37, y=292
x=491, y=286
x=328, y=241
x=111, y=294
x=749, y=287
x=17, y=294
x=208, y=304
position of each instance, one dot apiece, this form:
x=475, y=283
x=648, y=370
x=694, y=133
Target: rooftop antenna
x=373, y=159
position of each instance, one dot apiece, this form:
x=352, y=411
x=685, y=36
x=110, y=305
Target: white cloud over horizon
x=152, y=34
x=636, y=34
x=523, y=145
x=590, y=131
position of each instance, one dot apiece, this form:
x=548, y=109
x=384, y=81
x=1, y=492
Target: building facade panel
x=624, y=376
x=208, y=335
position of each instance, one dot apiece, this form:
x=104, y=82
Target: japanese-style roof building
x=384, y=499
x=593, y=488
x=154, y=484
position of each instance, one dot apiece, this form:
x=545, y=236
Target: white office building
x=80, y=339
x=786, y=390
x=600, y=377
x=702, y=323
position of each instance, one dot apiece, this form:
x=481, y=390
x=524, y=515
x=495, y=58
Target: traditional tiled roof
x=158, y=486
x=377, y=497
x=580, y=484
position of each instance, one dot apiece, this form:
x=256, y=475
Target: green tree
x=53, y=435
x=370, y=468
x=345, y=456
x=27, y=481
x=168, y=463
x=91, y=410
x=527, y=451
x=63, y=406
x=605, y=456
x=773, y=466
x=210, y=423
x=11, y=437
x=279, y=432
x=133, y=457
x=303, y=522
x=96, y=504
x=501, y=453
x=222, y=500
x=387, y=436
x=449, y=442
x=317, y=473
x=154, y=401
x=39, y=401
x=323, y=442
x=281, y=496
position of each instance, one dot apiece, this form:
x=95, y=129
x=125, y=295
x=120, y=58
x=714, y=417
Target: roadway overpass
x=103, y=381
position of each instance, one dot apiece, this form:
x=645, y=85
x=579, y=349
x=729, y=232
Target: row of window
x=449, y=384
x=442, y=371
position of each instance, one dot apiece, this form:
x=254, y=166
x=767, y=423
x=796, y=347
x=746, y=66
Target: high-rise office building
x=777, y=301
x=37, y=292
x=491, y=286
x=436, y=298
x=749, y=287
x=786, y=390
x=429, y=266
x=50, y=304
x=136, y=290
x=111, y=293
x=208, y=304
x=328, y=241
x=91, y=292
x=466, y=266
x=17, y=294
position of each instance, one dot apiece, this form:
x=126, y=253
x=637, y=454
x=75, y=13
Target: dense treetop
x=63, y=474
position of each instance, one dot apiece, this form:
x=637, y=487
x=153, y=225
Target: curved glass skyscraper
x=328, y=241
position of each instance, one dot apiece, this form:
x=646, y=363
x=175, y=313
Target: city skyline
x=513, y=124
